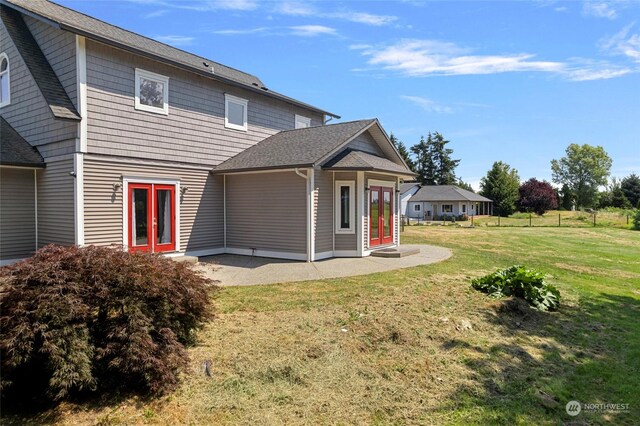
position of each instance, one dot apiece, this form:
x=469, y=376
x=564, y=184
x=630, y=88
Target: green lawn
x=619, y=219
x=396, y=347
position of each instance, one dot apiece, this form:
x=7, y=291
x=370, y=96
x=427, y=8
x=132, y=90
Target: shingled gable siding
x=348, y=241
x=194, y=129
x=201, y=215
x=17, y=210
x=55, y=203
x=267, y=211
x=28, y=112
x=324, y=211
x=366, y=143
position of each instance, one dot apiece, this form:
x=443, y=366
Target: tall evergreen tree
x=434, y=164
x=566, y=199
x=631, y=187
x=464, y=185
x=501, y=185
x=404, y=152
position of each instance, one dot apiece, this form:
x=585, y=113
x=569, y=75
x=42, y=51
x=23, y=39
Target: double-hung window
x=416, y=207
x=302, y=122
x=152, y=92
x=447, y=208
x=5, y=86
x=345, y=203
x=235, y=112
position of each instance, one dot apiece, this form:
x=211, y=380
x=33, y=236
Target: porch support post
x=398, y=211
x=361, y=211
x=312, y=214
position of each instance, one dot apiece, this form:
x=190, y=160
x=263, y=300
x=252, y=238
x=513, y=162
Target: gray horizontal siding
x=193, y=132
x=28, y=112
x=366, y=143
x=55, y=204
x=201, y=207
x=17, y=213
x=324, y=210
x=267, y=211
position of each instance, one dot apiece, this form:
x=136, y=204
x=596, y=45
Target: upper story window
x=235, y=112
x=152, y=92
x=345, y=207
x=5, y=87
x=302, y=122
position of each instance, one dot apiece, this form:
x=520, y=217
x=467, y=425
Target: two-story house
x=109, y=137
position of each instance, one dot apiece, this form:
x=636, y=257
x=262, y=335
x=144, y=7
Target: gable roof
x=294, y=148
x=446, y=193
x=44, y=76
x=14, y=150
x=350, y=159
x=95, y=29
x=404, y=187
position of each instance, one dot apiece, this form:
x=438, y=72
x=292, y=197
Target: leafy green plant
x=97, y=318
x=519, y=281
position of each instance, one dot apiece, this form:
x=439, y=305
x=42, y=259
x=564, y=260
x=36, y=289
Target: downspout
x=224, y=209
x=35, y=192
x=306, y=178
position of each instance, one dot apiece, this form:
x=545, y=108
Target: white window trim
x=352, y=205
x=245, y=103
x=140, y=73
x=302, y=119
x=417, y=208
x=3, y=55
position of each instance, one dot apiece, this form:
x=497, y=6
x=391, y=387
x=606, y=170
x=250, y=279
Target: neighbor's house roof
x=14, y=150
x=404, y=187
x=445, y=193
x=313, y=146
x=95, y=29
x=44, y=76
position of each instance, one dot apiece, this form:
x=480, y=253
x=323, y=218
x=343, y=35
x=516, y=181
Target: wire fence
x=574, y=219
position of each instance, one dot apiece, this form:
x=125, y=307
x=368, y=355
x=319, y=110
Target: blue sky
x=510, y=81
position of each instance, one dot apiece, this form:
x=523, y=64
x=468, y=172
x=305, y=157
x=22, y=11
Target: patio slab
x=234, y=270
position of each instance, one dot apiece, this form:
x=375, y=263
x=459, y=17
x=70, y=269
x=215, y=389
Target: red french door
x=152, y=217
x=380, y=215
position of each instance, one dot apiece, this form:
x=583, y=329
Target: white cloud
x=428, y=105
x=175, y=40
x=312, y=30
x=359, y=46
x=156, y=14
x=429, y=57
x=422, y=58
x=599, y=9
x=305, y=9
x=297, y=30
x=623, y=44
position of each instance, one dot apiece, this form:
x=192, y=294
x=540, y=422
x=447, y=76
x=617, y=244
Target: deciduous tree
x=583, y=170
x=537, y=196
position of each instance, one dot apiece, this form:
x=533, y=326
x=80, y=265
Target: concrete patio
x=233, y=270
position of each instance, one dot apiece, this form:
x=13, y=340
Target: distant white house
x=406, y=192
x=431, y=202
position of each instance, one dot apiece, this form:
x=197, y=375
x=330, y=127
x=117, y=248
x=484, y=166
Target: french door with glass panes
x=152, y=217
x=380, y=215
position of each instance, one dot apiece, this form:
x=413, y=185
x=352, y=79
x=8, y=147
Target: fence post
x=627, y=218
x=529, y=220
x=472, y=220
x=594, y=218
x=498, y=220
x=558, y=220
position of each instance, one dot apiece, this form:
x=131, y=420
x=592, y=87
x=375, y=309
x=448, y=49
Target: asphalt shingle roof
x=79, y=23
x=358, y=160
x=44, y=76
x=294, y=148
x=404, y=187
x=445, y=193
x=14, y=150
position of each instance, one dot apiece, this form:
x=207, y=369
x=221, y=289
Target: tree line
x=579, y=175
